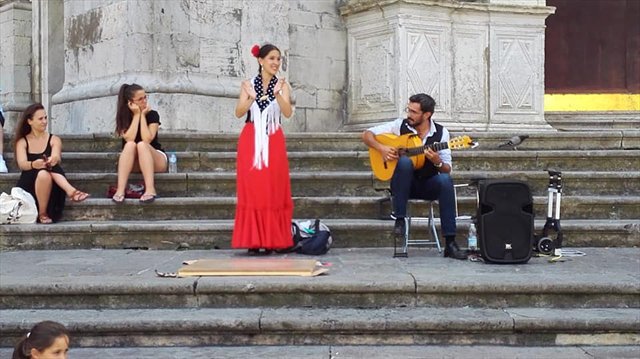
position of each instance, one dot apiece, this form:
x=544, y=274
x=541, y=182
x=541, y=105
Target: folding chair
x=402, y=249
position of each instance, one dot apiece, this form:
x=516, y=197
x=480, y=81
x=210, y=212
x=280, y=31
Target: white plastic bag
x=18, y=207
x=9, y=207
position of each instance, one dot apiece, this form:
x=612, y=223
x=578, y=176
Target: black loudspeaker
x=505, y=221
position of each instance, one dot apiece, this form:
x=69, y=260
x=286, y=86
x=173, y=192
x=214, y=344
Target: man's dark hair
x=427, y=103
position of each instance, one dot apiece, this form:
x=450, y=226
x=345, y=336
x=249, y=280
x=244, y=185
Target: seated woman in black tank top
x=38, y=155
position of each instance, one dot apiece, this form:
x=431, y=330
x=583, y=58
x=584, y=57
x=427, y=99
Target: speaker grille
x=505, y=221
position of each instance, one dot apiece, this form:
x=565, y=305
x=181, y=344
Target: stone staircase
x=331, y=180
x=85, y=271
x=111, y=299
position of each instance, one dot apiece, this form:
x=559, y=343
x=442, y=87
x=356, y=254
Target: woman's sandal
x=78, y=196
x=147, y=198
x=118, y=198
x=44, y=219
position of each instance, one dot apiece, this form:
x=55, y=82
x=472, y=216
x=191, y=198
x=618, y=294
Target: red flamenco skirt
x=264, y=209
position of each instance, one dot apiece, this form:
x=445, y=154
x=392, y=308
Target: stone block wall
x=318, y=65
x=15, y=58
x=484, y=59
x=191, y=55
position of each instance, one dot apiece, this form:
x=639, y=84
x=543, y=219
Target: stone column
x=483, y=62
x=190, y=56
x=15, y=59
x=48, y=49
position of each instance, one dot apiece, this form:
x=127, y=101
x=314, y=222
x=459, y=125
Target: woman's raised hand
x=279, y=85
x=248, y=89
x=134, y=108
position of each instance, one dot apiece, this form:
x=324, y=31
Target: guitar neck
x=438, y=146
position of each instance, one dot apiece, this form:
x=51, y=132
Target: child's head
x=46, y=340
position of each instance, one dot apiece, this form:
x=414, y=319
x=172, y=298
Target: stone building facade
x=350, y=63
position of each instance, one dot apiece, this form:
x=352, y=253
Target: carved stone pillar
x=482, y=62
x=15, y=59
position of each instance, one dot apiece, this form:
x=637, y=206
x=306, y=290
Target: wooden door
x=593, y=47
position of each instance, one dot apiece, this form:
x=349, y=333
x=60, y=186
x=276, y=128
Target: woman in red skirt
x=264, y=207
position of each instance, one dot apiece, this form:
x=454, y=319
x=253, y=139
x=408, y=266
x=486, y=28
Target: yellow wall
x=591, y=102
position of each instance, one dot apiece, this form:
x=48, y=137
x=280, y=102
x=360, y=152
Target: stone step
x=593, y=121
x=201, y=141
x=562, y=349
x=476, y=160
x=357, y=278
x=208, y=234
x=581, y=207
x=297, y=326
x=351, y=183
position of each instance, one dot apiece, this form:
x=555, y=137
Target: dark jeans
x=405, y=185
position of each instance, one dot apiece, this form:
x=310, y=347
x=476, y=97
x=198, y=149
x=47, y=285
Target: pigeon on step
x=514, y=141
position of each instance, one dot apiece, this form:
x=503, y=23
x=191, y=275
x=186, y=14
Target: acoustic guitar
x=409, y=145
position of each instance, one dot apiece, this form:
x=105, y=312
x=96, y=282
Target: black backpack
x=314, y=240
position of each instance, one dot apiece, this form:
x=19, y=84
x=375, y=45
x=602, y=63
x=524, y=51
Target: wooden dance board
x=252, y=267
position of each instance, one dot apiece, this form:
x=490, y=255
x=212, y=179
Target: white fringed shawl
x=265, y=123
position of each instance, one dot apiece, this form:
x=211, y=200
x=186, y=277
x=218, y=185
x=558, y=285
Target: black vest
x=429, y=169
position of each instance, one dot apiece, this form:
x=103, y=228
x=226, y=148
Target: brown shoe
x=78, y=196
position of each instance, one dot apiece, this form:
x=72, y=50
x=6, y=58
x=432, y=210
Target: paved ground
x=92, y=269
x=95, y=270
x=370, y=352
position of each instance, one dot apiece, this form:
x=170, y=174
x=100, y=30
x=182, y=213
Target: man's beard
x=414, y=123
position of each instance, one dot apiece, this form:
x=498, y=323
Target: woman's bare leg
x=125, y=165
x=43, y=191
x=63, y=183
x=160, y=162
x=150, y=161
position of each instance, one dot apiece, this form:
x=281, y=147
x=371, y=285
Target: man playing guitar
x=430, y=182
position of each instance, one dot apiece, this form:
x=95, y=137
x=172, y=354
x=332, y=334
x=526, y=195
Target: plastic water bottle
x=173, y=163
x=472, y=238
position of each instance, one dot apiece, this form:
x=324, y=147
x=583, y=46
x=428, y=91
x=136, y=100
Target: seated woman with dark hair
x=138, y=126
x=38, y=154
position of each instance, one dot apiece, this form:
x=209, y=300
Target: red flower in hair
x=255, y=50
